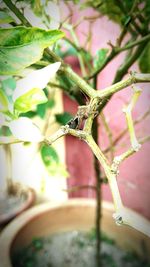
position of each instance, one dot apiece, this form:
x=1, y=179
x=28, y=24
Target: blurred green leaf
x=126, y=20
x=86, y=55
x=91, y=235
x=5, y=131
x=9, y=83
x=110, y=8
x=105, y=7
x=63, y=118
x=109, y=260
x=146, y=8
x=8, y=87
x=67, y=85
x=49, y=155
x=41, y=108
x=29, y=114
x=144, y=61
x=37, y=243
x=107, y=239
x=37, y=7
x=76, y=1
x=57, y=169
x=20, y=47
x=30, y=100
x=3, y=101
x=50, y=103
x=100, y=57
x=68, y=51
x=65, y=81
x=5, y=17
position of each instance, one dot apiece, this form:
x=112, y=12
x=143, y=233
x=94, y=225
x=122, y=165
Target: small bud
x=118, y=218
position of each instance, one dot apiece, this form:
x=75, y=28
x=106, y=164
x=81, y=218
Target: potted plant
x=84, y=124
x=16, y=197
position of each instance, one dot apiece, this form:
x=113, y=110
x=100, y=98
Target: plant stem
x=123, y=70
x=123, y=132
x=134, y=43
x=130, y=13
x=111, y=175
x=129, y=62
x=116, y=50
x=109, y=134
x=98, y=197
x=81, y=62
x=84, y=86
x=133, y=78
x=107, y=60
x=17, y=12
x=98, y=189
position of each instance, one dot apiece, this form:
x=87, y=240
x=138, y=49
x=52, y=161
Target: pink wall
x=134, y=177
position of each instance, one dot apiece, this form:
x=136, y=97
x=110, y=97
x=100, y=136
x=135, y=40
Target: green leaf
x=37, y=7
x=108, y=8
x=57, y=169
x=5, y=131
x=116, y=11
x=67, y=85
x=86, y=55
x=126, y=20
x=8, y=87
x=5, y=18
x=29, y=114
x=3, y=101
x=63, y=118
x=30, y=100
x=9, y=83
x=20, y=47
x=49, y=155
x=69, y=52
x=41, y=108
x=100, y=57
x=65, y=49
x=51, y=103
x=144, y=61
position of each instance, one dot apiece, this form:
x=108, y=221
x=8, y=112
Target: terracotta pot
x=22, y=191
x=73, y=214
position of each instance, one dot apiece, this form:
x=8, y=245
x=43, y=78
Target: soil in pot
x=74, y=249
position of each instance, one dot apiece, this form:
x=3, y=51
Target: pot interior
x=76, y=215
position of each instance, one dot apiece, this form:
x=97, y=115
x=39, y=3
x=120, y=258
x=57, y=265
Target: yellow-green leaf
x=30, y=100
x=3, y=101
x=20, y=47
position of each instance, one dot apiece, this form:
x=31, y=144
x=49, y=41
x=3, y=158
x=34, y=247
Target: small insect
x=73, y=123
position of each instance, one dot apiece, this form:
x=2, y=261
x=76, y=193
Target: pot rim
x=30, y=193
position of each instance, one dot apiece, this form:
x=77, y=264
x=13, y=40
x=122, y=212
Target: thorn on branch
x=110, y=44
